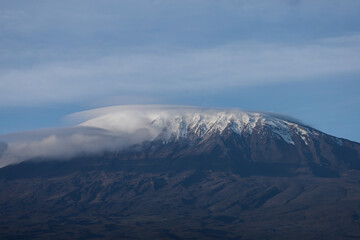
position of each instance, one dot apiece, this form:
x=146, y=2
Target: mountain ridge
x=179, y=121
x=188, y=178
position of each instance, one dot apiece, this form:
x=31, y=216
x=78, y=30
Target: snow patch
x=338, y=141
x=174, y=123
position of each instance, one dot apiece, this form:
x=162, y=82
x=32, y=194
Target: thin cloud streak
x=96, y=131
x=65, y=143
x=241, y=64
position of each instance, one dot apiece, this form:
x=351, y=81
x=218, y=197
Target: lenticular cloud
x=118, y=127
x=95, y=131
x=98, y=130
x=65, y=143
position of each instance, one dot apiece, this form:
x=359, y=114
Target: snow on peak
x=176, y=122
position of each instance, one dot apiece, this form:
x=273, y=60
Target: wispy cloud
x=95, y=131
x=113, y=129
x=220, y=67
x=65, y=143
x=53, y=52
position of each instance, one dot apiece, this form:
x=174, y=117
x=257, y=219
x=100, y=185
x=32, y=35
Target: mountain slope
x=242, y=139
x=199, y=174
x=102, y=204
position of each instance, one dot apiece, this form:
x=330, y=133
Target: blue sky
x=300, y=58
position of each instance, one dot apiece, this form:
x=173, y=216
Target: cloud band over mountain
x=118, y=127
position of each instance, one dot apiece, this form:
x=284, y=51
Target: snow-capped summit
x=178, y=122
x=215, y=138
x=162, y=132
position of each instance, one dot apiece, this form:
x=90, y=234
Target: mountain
x=186, y=173
x=240, y=141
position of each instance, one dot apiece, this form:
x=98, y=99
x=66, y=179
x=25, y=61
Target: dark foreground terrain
x=219, y=186
x=107, y=203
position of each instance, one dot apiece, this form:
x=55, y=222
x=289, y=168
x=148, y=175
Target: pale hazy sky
x=300, y=58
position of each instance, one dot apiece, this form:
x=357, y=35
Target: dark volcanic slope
x=260, y=153
x=184, y=205
x=169, y=191
x=258, y=184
